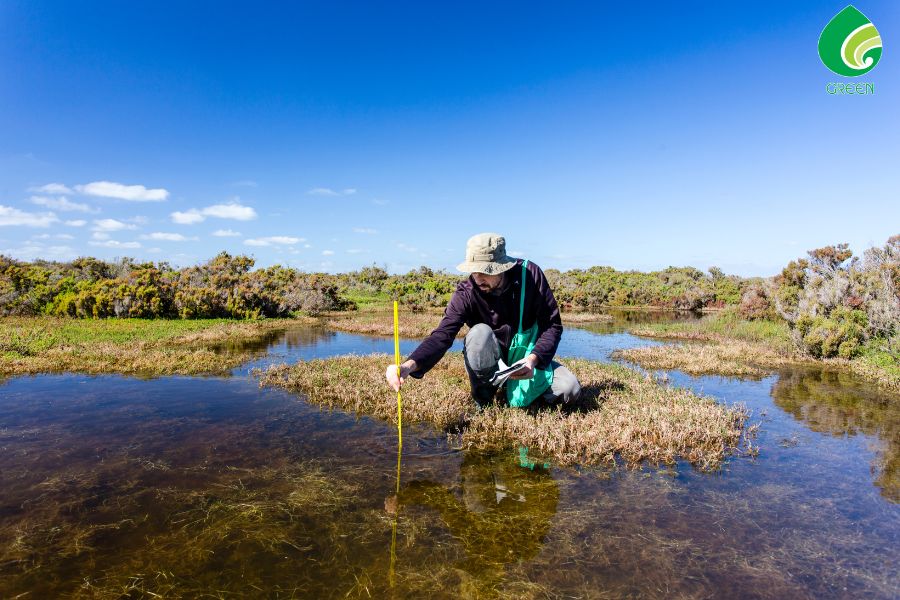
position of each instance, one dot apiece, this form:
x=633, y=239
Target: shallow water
x=179, y=486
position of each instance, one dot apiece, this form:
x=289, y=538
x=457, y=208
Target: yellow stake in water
x=399, y=446
x=397, y=360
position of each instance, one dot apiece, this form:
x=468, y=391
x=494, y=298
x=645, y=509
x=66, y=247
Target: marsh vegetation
x=622, y=414
x=31, y=345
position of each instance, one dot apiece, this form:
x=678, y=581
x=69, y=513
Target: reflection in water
x=295, y=337
x=499, y=512
x=841, y=404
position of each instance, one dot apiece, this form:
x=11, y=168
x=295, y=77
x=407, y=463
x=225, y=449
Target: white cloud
x=15, y=217
x=62, y=203
x=324, y=191
x=327, y=252
x=231, y=210
x=76, y=223
x=116, y=244
x=58, y=236
x=378, y=202
x=189, y=217
x=226, y=233
x=321, y=191
x=280, y=240
x=111, y=225
x=51, y=188
x=99, y=235
x=367, y=230
x=111, y=189
x=407, y=247
x=166, y=237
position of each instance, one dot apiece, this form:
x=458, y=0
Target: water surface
x=118, y=487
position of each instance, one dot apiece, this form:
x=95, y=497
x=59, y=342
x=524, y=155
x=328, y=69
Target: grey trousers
x=482, y=353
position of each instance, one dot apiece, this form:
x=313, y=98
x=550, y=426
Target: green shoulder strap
x=522, y=299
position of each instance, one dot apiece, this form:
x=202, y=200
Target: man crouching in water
x=512, y=314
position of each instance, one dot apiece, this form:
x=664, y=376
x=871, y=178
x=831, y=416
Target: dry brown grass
x=712, y=353
x=721, y=358
x=622, y=413
x=151, y=348
x=584, y=317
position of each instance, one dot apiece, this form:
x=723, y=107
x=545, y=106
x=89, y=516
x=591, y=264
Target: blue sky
x=332, y=135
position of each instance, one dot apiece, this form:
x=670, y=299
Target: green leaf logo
x=850, y=45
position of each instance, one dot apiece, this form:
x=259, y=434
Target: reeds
x=622, y=414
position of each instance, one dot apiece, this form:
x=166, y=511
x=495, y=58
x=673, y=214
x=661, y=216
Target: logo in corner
x=850, y=45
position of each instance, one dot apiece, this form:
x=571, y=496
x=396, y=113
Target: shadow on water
x=113, y=487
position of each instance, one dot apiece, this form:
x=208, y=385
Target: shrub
x=755, y=304
x=840, y=334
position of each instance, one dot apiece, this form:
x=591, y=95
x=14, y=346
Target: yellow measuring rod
x=399, y=448
x=397, y=359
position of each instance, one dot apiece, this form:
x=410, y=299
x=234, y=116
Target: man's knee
x=480, y=348
x=571, y=391
x=479, y=335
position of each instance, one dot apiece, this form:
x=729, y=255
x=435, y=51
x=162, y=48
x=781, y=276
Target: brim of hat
x=488, y=268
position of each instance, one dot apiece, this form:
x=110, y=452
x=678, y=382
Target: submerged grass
x=177, y=541
x=622, y=413
x=31, y=345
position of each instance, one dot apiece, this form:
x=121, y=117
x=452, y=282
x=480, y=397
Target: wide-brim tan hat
x=486, y=253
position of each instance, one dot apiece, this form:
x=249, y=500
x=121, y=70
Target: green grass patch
x=30, y=345
x=29, y=336
x=725, y=325
x=369, y=299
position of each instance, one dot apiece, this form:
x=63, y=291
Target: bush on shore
x=223, y=287
x=835, y=303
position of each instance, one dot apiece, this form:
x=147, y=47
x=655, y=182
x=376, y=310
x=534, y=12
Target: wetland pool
x=117, y=487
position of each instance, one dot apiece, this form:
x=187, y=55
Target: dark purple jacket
x=470, y=306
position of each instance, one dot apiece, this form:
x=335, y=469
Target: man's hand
x=527, y=372
x=396, y=381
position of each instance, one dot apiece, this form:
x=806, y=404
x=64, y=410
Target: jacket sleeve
x=548, y=319
x=433, y=348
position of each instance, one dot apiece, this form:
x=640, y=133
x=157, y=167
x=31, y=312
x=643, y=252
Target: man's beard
x=494, y=291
